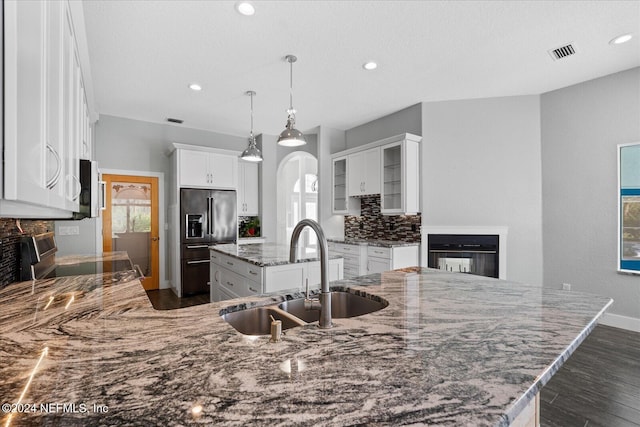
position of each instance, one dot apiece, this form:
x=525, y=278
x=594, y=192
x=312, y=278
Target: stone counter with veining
x=450, y=349
x=264, y=254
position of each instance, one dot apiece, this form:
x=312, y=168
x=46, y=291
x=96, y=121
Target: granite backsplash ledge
x=10, y=235
x=371, y=224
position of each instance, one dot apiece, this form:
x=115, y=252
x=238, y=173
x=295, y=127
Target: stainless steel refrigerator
x=207, y=217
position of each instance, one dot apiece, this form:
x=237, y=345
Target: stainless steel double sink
x=257, y=320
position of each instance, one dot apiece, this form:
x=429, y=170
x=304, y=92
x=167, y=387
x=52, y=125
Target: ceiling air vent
x=179, y=121
x=562, y=51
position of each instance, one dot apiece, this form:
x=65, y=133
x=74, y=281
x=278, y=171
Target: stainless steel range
x=38, y=261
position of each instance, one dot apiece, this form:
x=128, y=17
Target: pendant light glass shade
x=291, y=137
x=252, y=153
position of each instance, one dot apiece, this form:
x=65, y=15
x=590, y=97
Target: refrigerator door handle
x=208, y=215
x=211, y=224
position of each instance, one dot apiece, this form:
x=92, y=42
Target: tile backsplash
x=10, y=235
x=371, y=224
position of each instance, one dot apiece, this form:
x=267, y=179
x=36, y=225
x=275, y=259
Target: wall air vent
x=179, y=121
x=562, y=51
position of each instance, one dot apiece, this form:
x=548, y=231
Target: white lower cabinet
x=234, y=278
x=286, y=276
x=385, y=259
x=295, y=276
x=336, y=272
x=361, y=259
x=354, y=258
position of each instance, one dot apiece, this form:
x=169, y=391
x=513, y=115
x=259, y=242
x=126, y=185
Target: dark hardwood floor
x=599, y=385
x=165, y=299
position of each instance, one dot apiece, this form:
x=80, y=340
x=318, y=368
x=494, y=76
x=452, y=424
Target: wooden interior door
x=130, y=222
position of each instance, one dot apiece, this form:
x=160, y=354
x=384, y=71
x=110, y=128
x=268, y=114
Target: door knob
x=155, y=239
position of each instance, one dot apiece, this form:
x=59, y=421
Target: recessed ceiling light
x=245, y=8
x=370, y=65
x=195, y=86
x=621, y=39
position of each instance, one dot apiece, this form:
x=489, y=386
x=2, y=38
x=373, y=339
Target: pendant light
x=291, y=137
x=252, y=153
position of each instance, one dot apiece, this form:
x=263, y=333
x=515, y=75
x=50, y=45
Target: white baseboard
x=622, y=322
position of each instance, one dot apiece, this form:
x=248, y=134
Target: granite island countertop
x=265, y=254
x=450, y=349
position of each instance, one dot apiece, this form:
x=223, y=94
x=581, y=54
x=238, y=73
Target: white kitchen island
x=254, y=269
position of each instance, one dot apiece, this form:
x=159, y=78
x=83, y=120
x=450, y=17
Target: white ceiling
x=143, y=55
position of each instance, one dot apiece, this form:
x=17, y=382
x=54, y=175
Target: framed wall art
x=629, y=208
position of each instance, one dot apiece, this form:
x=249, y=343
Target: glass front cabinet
x=341, y=204
x=400, y=189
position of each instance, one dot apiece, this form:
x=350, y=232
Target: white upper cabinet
x=194, y=168
x=248, y=200
x=341, y=204
x=201, y=167
x=400, y=193
x=31, y=163
x=364, y=172
x=45, y=110
x=389, y=167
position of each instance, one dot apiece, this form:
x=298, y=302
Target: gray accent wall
x=144, y=146
x=268, y=188
x=581, y=128
x=407, y=120
x=481, y=168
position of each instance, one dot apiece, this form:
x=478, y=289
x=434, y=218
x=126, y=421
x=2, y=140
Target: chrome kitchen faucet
x=324, y=304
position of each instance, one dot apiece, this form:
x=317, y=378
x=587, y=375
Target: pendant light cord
x=290, y=84
x=251, y=114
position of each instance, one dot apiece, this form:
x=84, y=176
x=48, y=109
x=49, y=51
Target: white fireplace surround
x=466, y=230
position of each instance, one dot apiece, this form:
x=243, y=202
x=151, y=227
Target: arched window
x=297, y=180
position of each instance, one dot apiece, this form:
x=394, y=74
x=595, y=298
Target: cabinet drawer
x=251, y=271
x=244, y=269
x=347, y=249
x=237, y=284
x=230, y=263
x=375, y=251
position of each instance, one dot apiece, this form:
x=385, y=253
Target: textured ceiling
x=143, y=55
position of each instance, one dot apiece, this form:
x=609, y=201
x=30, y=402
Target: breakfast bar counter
x=449, y=349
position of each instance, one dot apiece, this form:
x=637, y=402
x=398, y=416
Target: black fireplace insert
x=465, y=253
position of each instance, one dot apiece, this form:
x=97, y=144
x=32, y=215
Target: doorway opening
x=297, y=180
x=130, y=222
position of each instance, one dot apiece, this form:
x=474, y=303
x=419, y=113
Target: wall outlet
x=566, y=286
x=68, y=230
